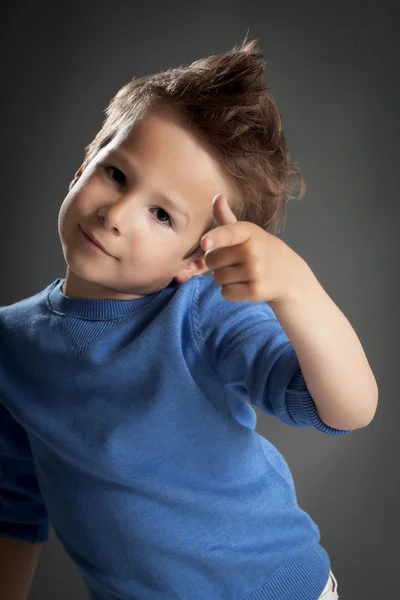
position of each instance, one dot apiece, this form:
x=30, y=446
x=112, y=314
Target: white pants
x=330, y=590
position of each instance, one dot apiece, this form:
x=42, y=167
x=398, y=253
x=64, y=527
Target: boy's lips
x=95, y=241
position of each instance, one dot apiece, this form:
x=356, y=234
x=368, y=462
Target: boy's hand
x=250, y=263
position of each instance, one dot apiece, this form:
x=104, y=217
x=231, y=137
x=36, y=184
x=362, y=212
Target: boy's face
x=145, y=237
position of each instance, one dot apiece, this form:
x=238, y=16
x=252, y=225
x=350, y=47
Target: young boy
x=127, y=387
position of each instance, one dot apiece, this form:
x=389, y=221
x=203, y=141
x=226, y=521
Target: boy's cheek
x=87, y=198
x=72, y=212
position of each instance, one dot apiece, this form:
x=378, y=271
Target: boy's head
x=186, y=134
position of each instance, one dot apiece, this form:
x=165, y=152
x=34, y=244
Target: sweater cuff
x=39, y=533
x=301, y=407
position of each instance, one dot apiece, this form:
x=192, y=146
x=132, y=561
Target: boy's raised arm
x=18, y=562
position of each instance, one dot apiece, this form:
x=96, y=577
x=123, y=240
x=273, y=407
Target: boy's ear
x=78, y=174
x=196, y=267
x=76, y=178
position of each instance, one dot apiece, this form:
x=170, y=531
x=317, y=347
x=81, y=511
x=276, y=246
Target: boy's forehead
x=165, y=136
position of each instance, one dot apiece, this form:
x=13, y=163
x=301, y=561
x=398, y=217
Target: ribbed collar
x=96, y=309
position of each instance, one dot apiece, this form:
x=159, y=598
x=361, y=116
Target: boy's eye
x=168, y=222
x=120, y=175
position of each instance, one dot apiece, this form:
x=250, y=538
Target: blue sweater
x=128, y=424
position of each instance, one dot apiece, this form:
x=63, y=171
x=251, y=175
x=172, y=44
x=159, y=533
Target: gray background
x=334, y=70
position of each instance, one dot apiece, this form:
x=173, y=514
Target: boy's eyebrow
x=159, y=196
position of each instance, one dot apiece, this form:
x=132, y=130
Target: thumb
x=222, y=212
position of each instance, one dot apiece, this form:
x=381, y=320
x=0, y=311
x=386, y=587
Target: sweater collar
x=96, y=309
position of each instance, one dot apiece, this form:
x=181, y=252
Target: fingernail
x=215, y=198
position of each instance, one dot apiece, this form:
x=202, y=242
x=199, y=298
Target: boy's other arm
x=18, y=562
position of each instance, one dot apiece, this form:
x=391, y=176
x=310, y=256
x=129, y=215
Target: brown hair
x=225, y=102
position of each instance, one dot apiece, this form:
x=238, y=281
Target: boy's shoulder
x=205, y=289
x=20, y=313
x=210, y=305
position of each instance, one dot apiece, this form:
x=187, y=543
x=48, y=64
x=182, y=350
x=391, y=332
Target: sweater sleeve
x=247, y=348
x=23, y=514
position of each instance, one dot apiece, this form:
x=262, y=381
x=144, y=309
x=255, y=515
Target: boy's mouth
x=94, y=243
